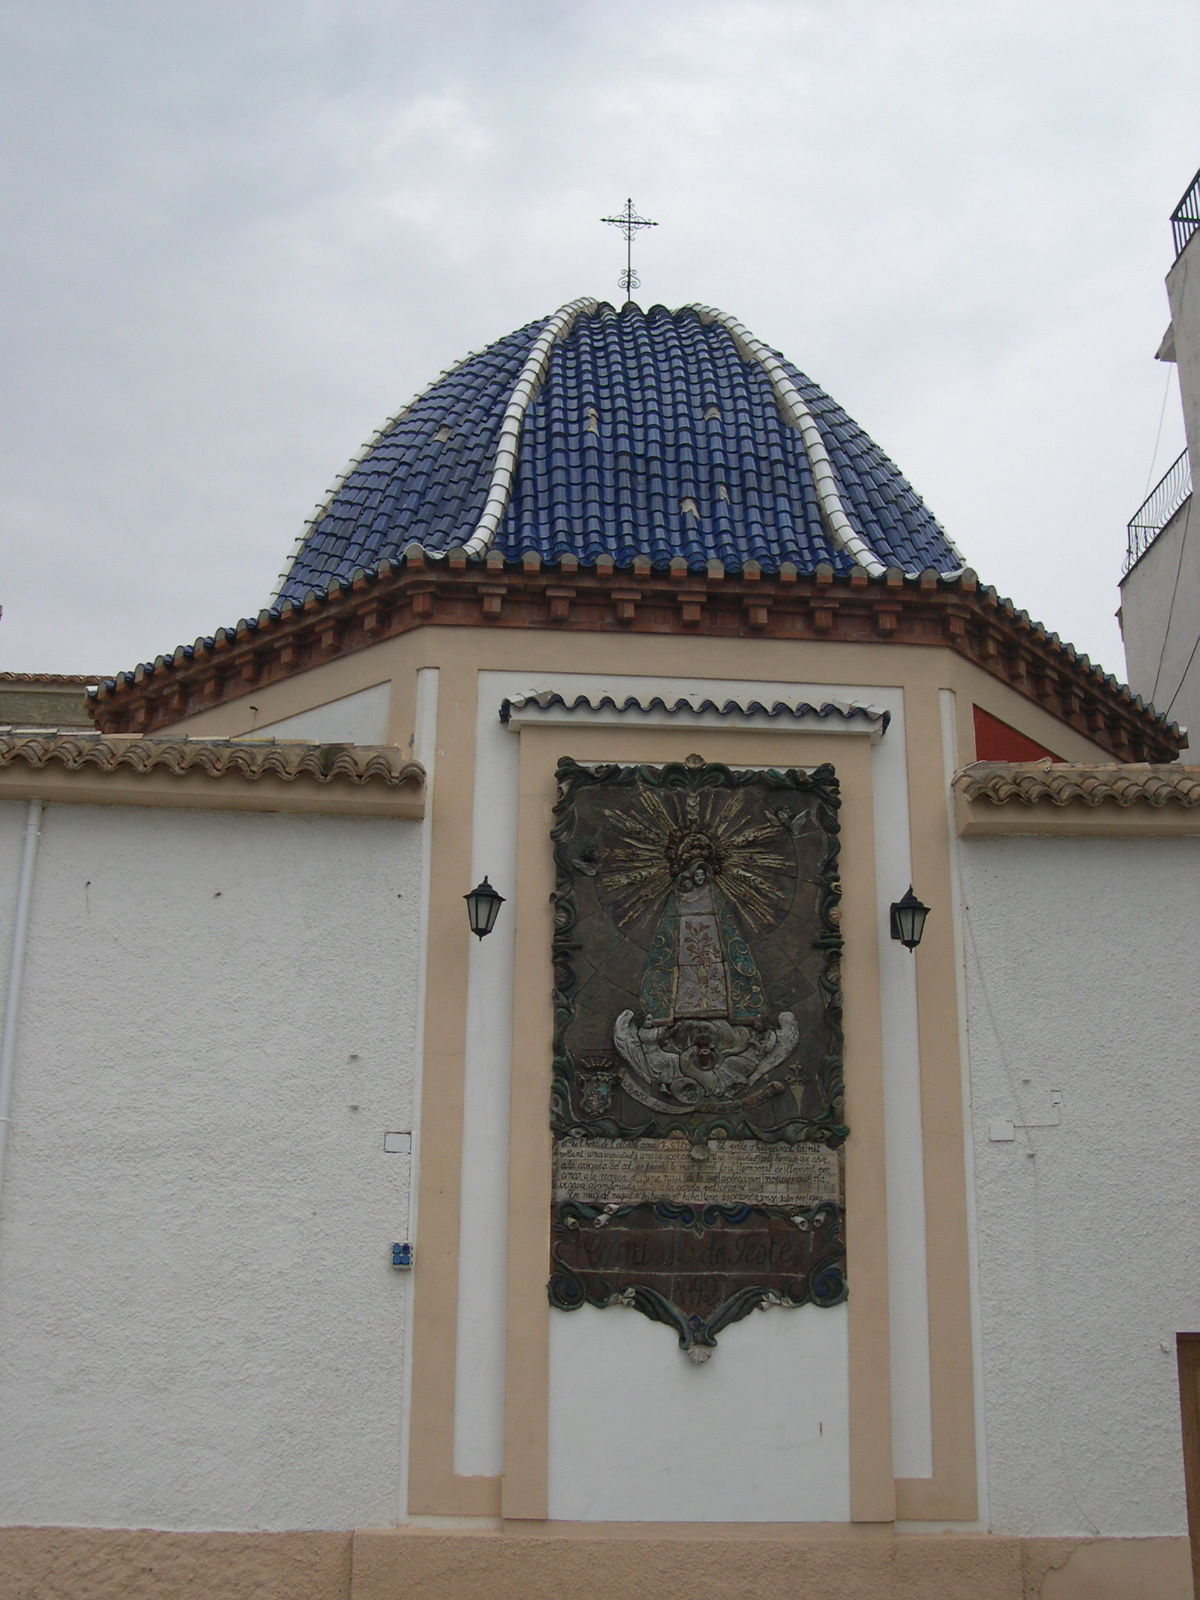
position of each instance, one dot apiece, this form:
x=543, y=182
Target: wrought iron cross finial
x=629, y=222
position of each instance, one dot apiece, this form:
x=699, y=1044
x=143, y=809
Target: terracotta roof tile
x=419, y=590
x=1031, y=783
x=22, y=678
x=250, y=759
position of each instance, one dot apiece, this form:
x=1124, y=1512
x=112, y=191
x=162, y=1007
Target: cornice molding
x=459, y=591
x=48, y=680
x=542, y=706
x=1066, y=783
x=1129, y=799
x=220, y=774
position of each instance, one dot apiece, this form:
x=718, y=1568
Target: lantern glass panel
x=483, y=905
x=908, y=920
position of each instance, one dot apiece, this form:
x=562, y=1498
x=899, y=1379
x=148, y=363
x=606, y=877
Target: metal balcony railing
x=1185, y=218
x=1157, y=509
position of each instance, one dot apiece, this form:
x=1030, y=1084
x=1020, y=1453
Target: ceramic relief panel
x=697, y=1100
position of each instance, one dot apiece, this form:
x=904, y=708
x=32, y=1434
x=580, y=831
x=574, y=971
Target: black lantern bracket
x=483, y=906
x=908, y=919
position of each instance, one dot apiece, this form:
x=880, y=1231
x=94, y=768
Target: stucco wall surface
x=360, y=718
x=199, y=1323
x=773, y=1411
x=1080, y=972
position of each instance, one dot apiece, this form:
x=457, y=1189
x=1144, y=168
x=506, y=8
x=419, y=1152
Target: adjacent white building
x=1160, y=592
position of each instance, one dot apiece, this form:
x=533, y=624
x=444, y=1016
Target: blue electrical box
x=402, y=1257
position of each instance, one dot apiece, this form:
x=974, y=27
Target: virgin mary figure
x=699, y=963
x=703, y=1028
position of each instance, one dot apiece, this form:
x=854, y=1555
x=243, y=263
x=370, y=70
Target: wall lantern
x=908, y=919
x=483, y=903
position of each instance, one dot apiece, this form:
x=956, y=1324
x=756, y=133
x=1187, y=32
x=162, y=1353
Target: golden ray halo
x=660, y=834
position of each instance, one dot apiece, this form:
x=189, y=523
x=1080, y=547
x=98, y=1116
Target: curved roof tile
x=1063, y=784
x=599, y=432
x=251, y=759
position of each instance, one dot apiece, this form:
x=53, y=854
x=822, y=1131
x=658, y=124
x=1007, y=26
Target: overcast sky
x=241, y=233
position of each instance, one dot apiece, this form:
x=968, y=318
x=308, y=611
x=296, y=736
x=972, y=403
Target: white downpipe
x=16, y=971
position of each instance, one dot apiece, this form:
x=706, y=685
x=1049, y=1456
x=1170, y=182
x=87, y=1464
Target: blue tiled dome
x=624, y=433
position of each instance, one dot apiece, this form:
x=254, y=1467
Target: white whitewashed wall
x=1081, y=980
x=199, y=1322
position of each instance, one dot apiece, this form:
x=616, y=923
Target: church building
x=632, y=1029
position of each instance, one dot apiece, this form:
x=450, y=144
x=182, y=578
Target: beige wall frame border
x=434, y=1487
x=527, y=1431
x=950, y=1493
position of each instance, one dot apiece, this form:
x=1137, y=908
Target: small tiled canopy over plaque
x=697, y=1100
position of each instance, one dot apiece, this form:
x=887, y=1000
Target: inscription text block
x=731, y=1172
